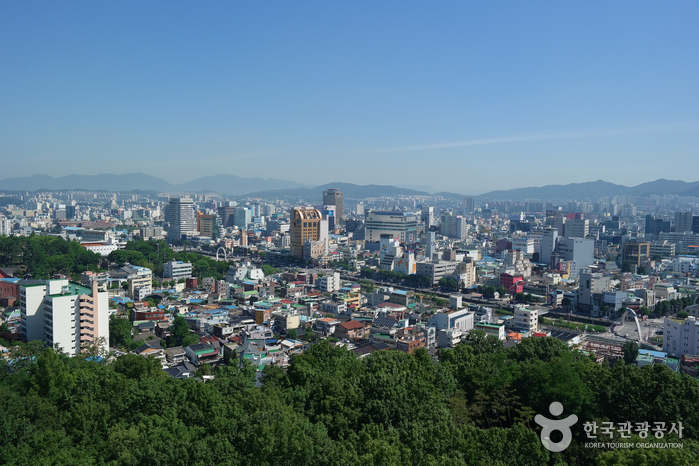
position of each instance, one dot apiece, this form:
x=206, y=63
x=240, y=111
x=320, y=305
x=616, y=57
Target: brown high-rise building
x=307, y=224
x=333, y=196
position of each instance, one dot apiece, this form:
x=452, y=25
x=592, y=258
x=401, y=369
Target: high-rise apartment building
x=307, y=224
x=182, y=218
x=683, y=222
x=64, y=314
x=333, y=196
x=454, y=226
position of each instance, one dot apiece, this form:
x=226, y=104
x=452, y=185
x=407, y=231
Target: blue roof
x=271, y=341
x=10, y=280
x=399, y=291
x=196, y=301
x=72, y=228
x=655, y=354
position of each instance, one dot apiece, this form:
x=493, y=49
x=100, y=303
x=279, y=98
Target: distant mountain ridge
x=594, y=190
x=237, y=186
x=225, y=184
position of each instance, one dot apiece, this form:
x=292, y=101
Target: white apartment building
x=681, y=338
x=526, y=319
x=138, y=277
x=177, y=269
x=5, y=226
x=182, y=218
x=64, y=314
x=330, y=283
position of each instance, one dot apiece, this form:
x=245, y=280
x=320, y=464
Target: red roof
x=351, y=325
x=393, y=305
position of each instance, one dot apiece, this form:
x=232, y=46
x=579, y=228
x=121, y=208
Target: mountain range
x=225, y=184
x=237, y=186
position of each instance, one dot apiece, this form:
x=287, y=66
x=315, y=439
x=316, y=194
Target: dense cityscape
x=256, y=292
x=349, y=233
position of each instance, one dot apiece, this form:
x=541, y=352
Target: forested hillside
x=476, y=406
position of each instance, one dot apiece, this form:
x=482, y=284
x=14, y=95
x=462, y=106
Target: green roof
x=74, y=289
x=481, y=324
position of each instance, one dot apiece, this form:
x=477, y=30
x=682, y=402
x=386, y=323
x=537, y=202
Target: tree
x=565, y=302
x=179, y=331
x=630, y=351
x=626, y=266
x=120, y=332
x=488, y=291
x=682, y=314
x=502, y=291
x=292, y=334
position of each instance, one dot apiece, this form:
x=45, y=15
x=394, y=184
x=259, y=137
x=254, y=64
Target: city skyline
x=462, y=98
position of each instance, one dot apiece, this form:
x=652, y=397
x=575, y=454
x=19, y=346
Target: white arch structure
x=225, y=256
x=635, y=318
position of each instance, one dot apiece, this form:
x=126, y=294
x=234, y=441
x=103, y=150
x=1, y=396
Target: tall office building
x=307, y=224
x=243, y=216
x=547, y=245
x=577, y=228
x=64, y=314
x=227, y=214
x=655, y=226
x=209, y=225
x=430, y=245
x=578, y=250
x=428, y=217
x=329, y=215
x=182, y=218
x=333, y=196
x=401, y=225
x=683, y=222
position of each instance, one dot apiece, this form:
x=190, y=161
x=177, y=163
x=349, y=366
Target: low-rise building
x=351, y=330
x=493, y=330
x=462, y=320
x=526, y=319
x=175, y=270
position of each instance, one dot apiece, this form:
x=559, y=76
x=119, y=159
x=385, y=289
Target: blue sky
x=462, y=96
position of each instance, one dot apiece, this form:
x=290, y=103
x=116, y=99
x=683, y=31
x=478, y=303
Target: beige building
x=307, y=224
